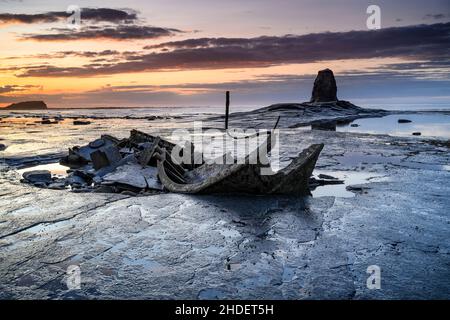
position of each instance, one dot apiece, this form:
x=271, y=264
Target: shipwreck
x=143, y=164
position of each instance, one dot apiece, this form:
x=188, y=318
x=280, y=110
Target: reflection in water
x=350, y=178
x=54, y=168
x=429, y=125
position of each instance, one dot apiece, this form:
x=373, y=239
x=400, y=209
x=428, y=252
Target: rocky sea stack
x=28, y=105
x=325, y=89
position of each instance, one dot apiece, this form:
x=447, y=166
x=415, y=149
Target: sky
x=188, y=53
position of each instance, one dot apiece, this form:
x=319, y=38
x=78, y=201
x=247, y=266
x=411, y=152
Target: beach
x=391, y=212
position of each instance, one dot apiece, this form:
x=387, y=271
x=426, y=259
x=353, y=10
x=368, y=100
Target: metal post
x=227, y=109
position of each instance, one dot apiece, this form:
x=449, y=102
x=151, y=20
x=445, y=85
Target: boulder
x=417, y=133
x=134, y=175
x=105, y=156
x=404, y=121
x=325, y=89
x=2, y=147
x=80, y=156
x=38, y=176
x=129, y=175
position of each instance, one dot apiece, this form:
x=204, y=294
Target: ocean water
x=129, y=112
x=430, y=125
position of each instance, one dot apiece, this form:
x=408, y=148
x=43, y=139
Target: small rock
x=38, y=176
x=2, y=147
x=86, y=176
x=57, y=186
x=404, y=121
x=104, y=189
x=81, y=122
x=75, y=181
x=417, y=133
x=357, y=189
x=129, y=193
x=325, y=176
x=97, y=180
x=46, y=121
x=97, y=143
x=40, y=185
x=354, y=125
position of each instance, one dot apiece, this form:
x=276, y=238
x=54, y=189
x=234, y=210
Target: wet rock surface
x=170, y=246
x=297, y=115
x=38, y=176
x=205, y=247
x=324, y=125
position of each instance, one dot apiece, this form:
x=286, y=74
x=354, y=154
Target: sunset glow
x=138, y=56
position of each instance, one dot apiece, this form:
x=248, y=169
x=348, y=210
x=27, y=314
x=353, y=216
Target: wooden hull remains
x=245, y=178
x=143, y=164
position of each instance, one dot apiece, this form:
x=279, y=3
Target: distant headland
x=27, y=105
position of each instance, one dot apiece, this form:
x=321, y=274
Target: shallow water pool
x=350, y=178
x=429, y=125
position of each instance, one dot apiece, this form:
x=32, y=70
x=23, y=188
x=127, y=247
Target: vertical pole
x=276, y=124
x=227, y=109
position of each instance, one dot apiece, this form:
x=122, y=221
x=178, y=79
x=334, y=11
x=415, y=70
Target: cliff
x=28, y=105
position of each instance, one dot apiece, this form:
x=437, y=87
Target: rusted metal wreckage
x=143, y=163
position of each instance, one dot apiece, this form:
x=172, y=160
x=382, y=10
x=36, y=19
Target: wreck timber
x=144, y=162
x=244, y=178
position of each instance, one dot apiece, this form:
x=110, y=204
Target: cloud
x=121, y=32
x=96, y=23
x=15, y=88
x=436, y=16
x=80, y=54
x=357, y=86
x=87, y=14
x=420, y=42
x=108, y=15
x=89, y=54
